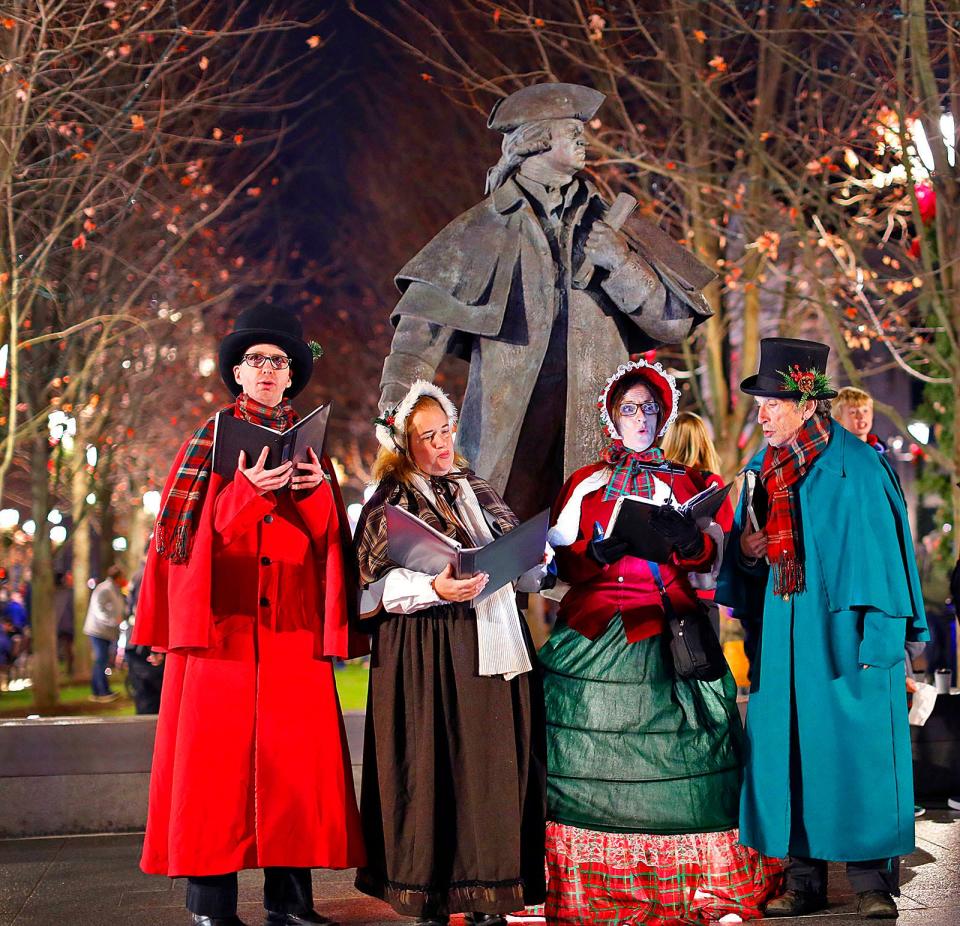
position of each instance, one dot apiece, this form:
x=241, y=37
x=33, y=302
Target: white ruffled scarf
x=500, y=643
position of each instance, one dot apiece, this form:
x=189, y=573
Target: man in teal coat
x=829, y=570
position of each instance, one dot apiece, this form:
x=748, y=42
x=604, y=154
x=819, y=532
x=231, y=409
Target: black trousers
x=285, y=890
x=810, y=874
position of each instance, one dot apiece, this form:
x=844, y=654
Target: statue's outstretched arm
x=417, y=349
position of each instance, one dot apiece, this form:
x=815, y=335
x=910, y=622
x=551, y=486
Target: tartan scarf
x=629, y=477
x=177, y=522
x=781, y=470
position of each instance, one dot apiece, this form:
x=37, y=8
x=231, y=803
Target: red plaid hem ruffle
x=635, y=878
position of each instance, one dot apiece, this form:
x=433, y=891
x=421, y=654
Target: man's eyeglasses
x=629, y=409
x=277, y=361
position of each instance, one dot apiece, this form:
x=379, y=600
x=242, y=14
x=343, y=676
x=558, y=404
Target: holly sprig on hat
x=810, y=383
x=388, y=419
x=316, y=350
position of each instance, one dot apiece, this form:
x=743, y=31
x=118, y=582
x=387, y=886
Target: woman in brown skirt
x=453, y=790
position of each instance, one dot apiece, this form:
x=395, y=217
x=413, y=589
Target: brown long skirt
x=453, y=797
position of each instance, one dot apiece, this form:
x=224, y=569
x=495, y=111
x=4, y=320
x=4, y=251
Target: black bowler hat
x=267, y=324
x=790, y=368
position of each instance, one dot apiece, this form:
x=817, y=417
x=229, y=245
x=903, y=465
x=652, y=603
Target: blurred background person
x=104, y=616
x=853, y=410
x=688, y=443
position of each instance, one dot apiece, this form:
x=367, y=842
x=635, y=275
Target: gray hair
x=824, y=408
x=523, y=142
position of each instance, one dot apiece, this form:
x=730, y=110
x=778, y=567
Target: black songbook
x=631, y=520
x=756, y=499
x=416, y=545
x=231, y=435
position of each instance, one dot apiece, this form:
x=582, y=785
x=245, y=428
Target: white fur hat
x=392, y=424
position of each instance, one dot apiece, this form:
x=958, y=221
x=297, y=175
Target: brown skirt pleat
x=453, y=797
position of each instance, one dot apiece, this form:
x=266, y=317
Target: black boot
x=298, y=919
x=877, y=905
x=795, y=903
x=198, y=919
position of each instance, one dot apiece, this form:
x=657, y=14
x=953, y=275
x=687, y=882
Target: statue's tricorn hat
x=790, y=368
x=544, y=101
x=267, y=324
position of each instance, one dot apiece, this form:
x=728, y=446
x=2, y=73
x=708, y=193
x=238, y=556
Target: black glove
x=680, y=529
x=607, y=551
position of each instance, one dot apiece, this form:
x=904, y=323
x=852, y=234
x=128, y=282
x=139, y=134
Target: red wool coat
x=250, y=765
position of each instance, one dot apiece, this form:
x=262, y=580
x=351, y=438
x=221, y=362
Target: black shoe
x=795, y=903
x=200, y=920
x=484, y=919
x=298, y=919
x=876, y=905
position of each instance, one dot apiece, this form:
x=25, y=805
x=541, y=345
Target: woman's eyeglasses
x=277, y=361
x=629, y=409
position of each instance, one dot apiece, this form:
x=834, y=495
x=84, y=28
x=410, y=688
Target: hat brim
x=233, y=346
x=752, y=386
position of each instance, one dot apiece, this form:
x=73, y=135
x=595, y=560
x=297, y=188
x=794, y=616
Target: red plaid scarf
x=173, y=534
x=629, y=477
x=782, y=468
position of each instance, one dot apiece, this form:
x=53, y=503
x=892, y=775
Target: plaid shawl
x=370, y=537
x=177, y=521
x=629, y=478
x=782, y=468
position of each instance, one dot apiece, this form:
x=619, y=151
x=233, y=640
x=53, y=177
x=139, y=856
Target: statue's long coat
x=829, y=772
x=486, y=289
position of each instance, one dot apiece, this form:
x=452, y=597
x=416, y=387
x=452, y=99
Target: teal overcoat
x=828, y=767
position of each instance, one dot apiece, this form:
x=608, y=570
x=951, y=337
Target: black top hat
x=790, y=369
x=267, y=324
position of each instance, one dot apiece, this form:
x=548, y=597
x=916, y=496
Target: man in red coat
x=248, y=589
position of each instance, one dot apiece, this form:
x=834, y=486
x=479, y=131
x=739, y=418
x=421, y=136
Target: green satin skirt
x=630, y=747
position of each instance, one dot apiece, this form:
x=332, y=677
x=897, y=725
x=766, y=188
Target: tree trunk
x=80, y=543
x=43, y=619
x=137, y=533
x=105, y=509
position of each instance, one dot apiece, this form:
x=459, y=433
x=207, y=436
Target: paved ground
x=86, y=880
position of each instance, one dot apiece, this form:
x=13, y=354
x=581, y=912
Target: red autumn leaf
x=238, y=138
x=497, y=13
x=314, y=41
x=137, y=123
x=79, y=243
x=8, y=23
x=89, y=226
x=424, y=76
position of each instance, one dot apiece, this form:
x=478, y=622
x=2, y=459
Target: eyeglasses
x=629, y=409
x=277, y=361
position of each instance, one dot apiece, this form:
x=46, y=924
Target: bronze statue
x=536, y=288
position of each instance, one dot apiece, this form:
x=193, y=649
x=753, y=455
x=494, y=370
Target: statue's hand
x=605, y=247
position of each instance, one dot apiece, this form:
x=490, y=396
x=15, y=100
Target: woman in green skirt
x=643, y=766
